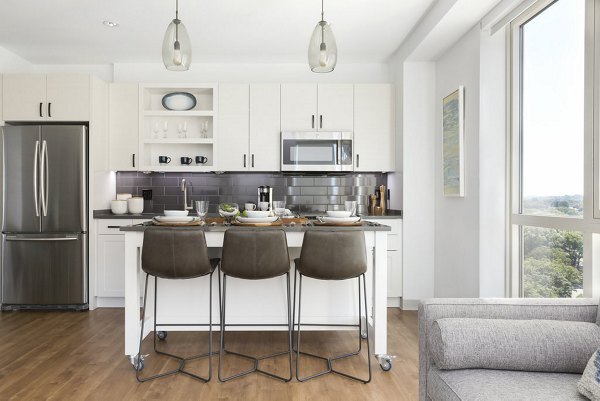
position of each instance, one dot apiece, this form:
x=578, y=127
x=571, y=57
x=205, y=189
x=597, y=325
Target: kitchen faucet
x=184, y=190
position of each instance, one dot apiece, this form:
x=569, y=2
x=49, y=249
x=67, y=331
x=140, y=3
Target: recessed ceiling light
x=111, y=24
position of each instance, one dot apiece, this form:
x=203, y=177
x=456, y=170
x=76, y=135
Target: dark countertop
x=107, y=214
x=285, y=227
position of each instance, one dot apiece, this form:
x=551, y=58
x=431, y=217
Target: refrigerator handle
x=35, y=178
x=44, y=180
x=17, y=238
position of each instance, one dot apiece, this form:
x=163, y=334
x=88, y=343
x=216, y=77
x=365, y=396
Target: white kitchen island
x=257, y=302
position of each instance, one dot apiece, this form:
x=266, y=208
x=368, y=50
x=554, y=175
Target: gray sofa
x=505, y=384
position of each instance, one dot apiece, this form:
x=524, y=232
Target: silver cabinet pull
x=49, y=109
x=313, y=121
x=321, y=121
x=41, y=105
x=35, y=178
x=133, y=159
x=252, y=160
x=357, y=160
x=244, y=160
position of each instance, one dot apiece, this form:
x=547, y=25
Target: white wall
x=419, y=130
x=344, y=73
x=492, y=165
x=457, y=218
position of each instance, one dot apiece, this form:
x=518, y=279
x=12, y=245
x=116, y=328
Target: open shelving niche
x=155, y=141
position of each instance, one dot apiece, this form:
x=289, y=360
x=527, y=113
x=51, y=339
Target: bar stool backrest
x=175, y=253
x=255, y=254
x=333, y=255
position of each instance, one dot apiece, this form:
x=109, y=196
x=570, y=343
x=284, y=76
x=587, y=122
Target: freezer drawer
x=44, y=270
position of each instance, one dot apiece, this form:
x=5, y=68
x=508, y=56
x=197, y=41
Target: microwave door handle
x=339, y=154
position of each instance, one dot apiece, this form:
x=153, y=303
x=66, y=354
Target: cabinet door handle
x=133, y=159
x=113, y=226
x=244, y=160
x=41, y=105
x=49, y=109
x=252, y=160
x=321, y=121
x=313, y=121
x=357, y=160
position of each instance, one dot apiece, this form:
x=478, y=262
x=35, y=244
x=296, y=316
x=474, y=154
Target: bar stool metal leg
x=330, y=361
x=182, y=360
x=256, y=360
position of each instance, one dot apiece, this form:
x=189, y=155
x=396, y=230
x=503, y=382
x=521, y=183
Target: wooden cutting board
x=355, y=224
x=190, y=224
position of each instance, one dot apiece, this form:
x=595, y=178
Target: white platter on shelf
x=175, y=219
x=326, y=219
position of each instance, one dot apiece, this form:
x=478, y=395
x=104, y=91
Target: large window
x=552, y=224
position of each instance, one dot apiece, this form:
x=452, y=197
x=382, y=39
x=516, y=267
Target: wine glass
x=184, y=129
x=229, y=211
x=179, y=131
x=165, y=128
x=155, y=129
x=202, y=209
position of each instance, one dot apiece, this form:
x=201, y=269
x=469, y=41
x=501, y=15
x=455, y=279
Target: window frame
x=589, y=225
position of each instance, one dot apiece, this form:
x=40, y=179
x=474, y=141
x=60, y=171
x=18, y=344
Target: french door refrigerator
x=45, y=217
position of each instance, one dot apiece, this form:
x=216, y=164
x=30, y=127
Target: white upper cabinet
x=123, y=127
x=311, y=107
x=374, y=127
x=1, y=118
x=336, y=107
x=68, y=97
x=265, y=127
x=298, y=107
x=234, y=127
x=39, y=97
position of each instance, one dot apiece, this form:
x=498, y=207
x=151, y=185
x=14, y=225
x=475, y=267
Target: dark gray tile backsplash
x=301, y=193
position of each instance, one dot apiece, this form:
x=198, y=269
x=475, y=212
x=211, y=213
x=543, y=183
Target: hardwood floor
x=79, y=356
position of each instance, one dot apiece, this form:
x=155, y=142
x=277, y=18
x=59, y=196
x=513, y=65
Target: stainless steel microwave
x=316, y=151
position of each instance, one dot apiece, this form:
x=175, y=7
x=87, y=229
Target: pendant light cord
x=177, y=19
x=322, y=18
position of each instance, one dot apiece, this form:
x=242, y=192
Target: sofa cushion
x=589, y=385
x=528, y=345
x=501, y=385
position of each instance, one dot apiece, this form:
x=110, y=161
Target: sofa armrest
x=583, y=310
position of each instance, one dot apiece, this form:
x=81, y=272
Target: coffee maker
x=265, y=194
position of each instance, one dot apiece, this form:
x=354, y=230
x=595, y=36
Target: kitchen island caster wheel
x=386, y=365
x=162, y=335
x=138, y=364
x=363, y=335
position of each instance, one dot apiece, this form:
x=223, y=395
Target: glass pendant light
x=322, y=50
x=177, y=47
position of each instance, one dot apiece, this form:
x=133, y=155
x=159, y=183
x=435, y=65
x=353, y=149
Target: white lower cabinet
x=110, y=272
x=110, y=262
x=394, y=259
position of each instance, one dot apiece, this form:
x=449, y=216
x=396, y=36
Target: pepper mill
x=382, y=197
x=373, y=203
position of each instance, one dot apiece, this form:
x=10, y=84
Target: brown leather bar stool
x=333, y=255
x=175, y=254
x=255, y=255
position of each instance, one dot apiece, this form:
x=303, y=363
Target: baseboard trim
x=410, y=304
x=394, y=302
x=110, y=302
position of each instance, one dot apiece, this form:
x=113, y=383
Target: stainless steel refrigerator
x=45, y=217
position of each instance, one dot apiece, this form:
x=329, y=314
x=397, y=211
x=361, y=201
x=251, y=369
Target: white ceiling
x=261, y=31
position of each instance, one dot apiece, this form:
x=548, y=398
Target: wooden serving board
x=297, y=220
x=355, y=224
x=190, y=224
x=273, y=224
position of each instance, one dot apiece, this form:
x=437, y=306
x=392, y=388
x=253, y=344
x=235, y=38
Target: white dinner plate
x=326, y=219
x=175, y=219
x=257, y=219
